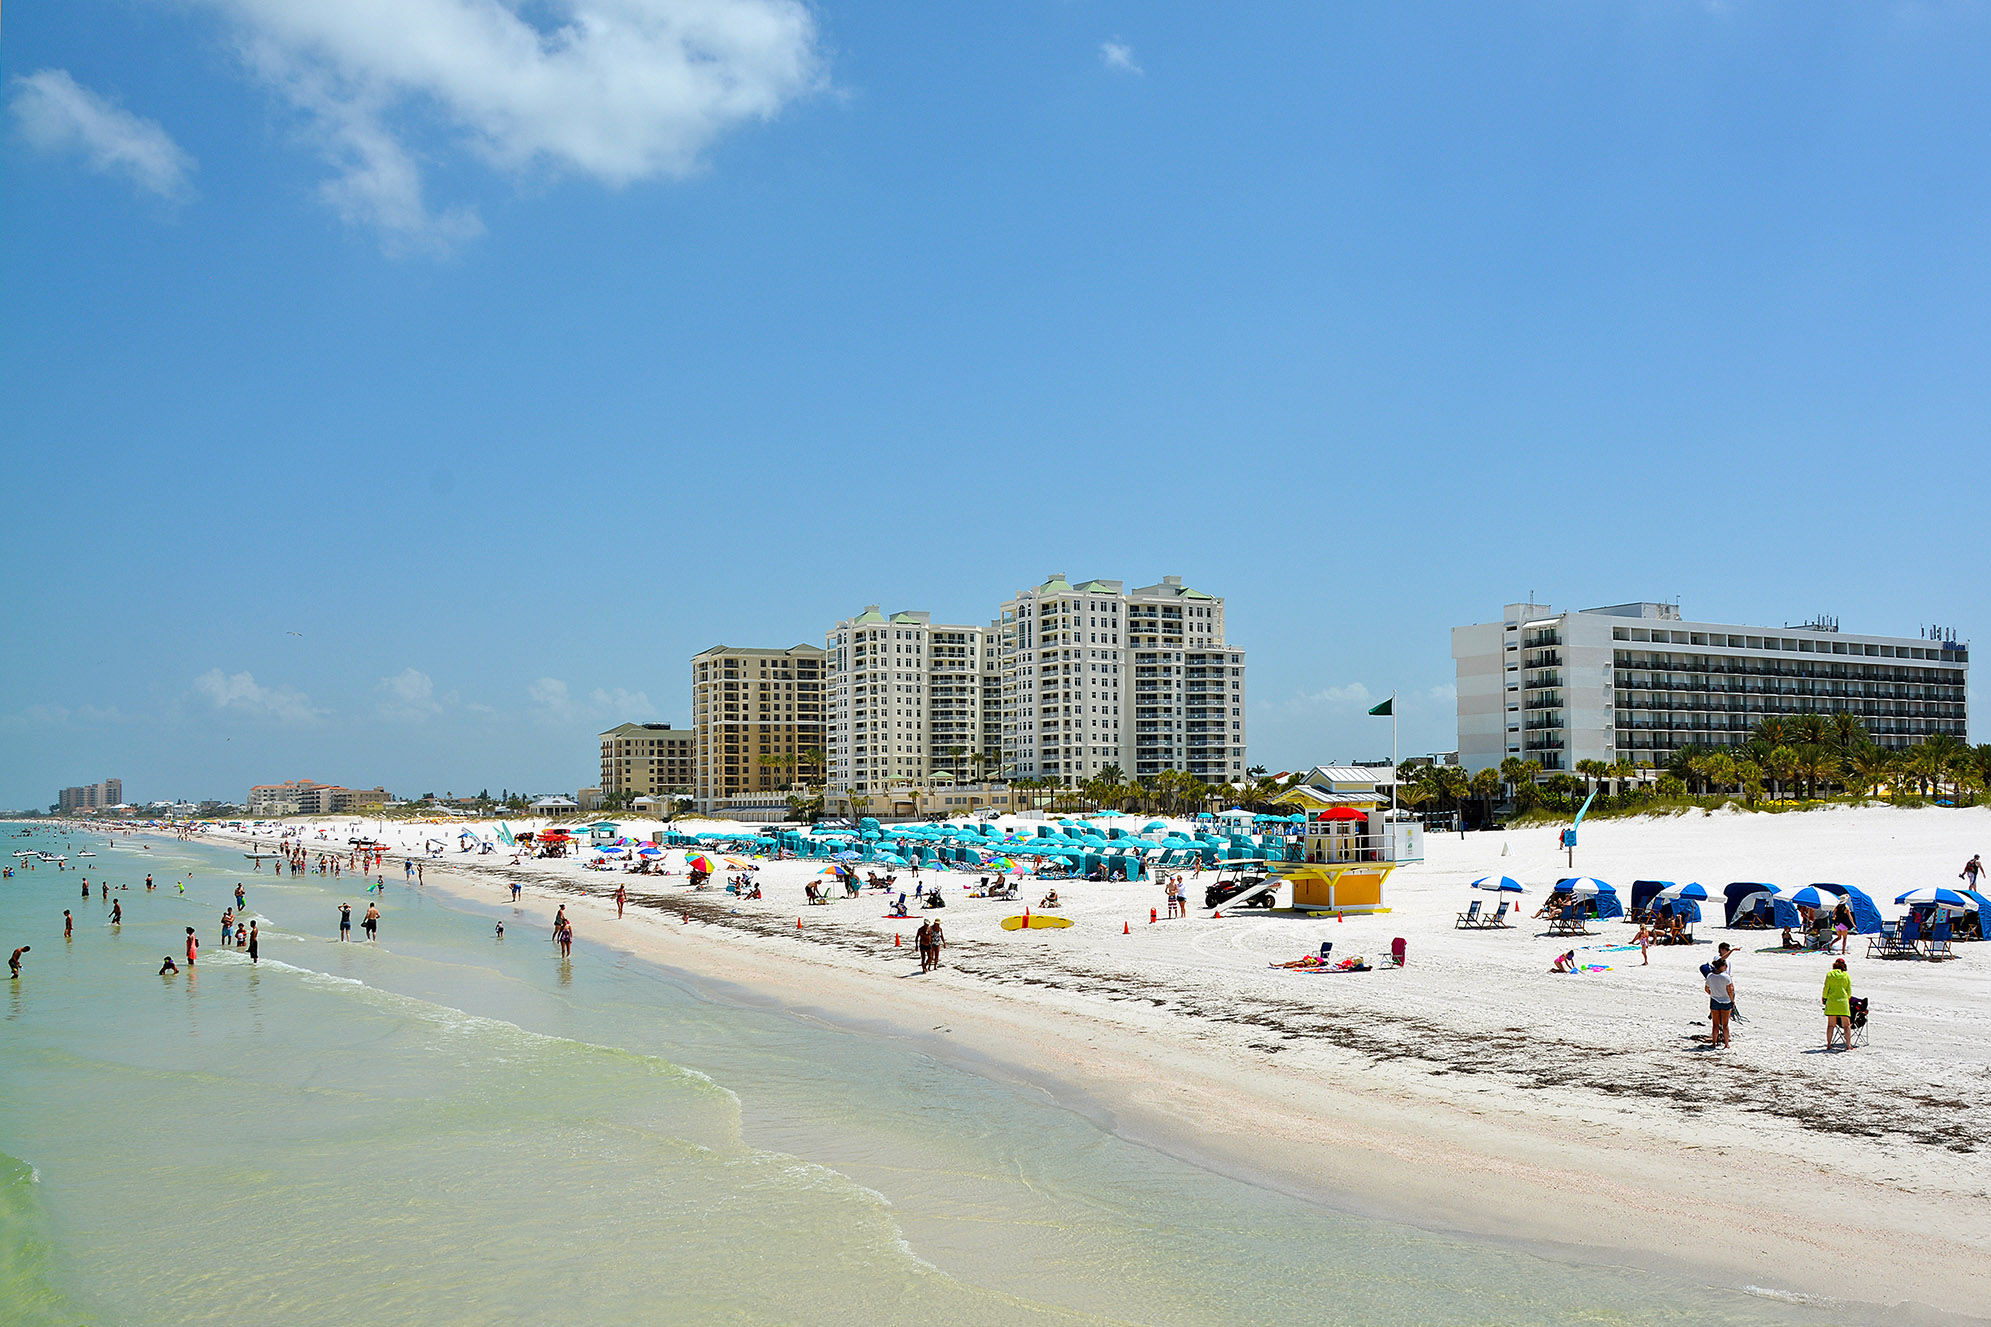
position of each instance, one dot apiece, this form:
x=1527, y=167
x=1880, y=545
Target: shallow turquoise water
x=448, y=1128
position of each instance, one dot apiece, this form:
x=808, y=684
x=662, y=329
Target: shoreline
x=1559, y=1171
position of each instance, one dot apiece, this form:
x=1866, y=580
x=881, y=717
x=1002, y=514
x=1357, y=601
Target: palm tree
x=1808, y=730
x=1780, y=762
x=1847, y=734
x=813, y=758
x=1486, y=786
x=1871, y=766
x=1813, y=764
x=1592, y=769
x=1770, y=731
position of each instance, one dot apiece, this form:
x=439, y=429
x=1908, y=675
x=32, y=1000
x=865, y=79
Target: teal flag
x=1386, y=708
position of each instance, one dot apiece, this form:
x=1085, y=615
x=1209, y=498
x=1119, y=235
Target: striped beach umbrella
x=1691, y=890
x=698, y=861
x=1499, y=884
x=1949, y=898
x=1806, y=896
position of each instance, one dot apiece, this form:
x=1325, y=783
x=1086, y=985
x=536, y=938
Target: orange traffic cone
x=895, y=940
x=798, y=923
x=1151, y=916
x=1218, y=915
x=1338, y=919
x=1124, y=930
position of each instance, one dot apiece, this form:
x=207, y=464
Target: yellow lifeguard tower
x=1349, y=845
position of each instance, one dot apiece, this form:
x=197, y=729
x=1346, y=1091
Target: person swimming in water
x=168, y=967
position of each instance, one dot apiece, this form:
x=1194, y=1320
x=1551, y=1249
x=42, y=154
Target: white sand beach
x=1470, y=1091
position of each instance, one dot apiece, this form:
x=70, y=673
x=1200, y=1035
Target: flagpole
x=1393, y=761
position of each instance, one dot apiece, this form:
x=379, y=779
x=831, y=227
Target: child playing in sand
x=1564, y=963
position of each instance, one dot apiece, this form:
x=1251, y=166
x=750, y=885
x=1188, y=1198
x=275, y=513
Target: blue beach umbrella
x=1691, y=890
x=1949, y=898
x=1585, y=886
x=1499, y=884
x=1806, y=896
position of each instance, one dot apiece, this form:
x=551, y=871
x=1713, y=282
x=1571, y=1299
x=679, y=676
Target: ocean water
x=449, y=1128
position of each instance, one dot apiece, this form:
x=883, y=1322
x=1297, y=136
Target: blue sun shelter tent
x=1866, y=917
x=1645, y=891
x=1753, y=903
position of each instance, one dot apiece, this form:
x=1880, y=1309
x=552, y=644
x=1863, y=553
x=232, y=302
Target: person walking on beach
x=1838, y=1002
x=516, y=887
x=371, y=922
x=621, y=896
x=936, y=941
x=345, y=921
x=566, y=939
x=1721, y=1001
x=920, y=943
x=559, y=920
x=252, y=943
x=1972, y=869
x=14, y=961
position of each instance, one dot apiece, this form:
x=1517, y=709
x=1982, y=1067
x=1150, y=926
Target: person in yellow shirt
x=1838, y=1002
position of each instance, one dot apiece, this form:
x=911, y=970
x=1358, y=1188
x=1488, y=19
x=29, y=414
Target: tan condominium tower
x=647, y=759
x=757, y=720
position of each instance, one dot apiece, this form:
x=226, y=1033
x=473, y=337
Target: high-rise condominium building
x=92, y=796
x=1634, y=682
x=653, y=759
x=906, y=700
x=757, y=719
x=1095, y=674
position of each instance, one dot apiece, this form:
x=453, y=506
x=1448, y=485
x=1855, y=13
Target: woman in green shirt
x=1838, y=1001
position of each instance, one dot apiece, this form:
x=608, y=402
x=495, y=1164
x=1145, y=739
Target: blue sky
x=510, y=355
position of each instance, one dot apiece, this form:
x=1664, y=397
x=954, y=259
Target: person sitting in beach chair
x=899, y=908
x=1049, y=900
x=935, y=899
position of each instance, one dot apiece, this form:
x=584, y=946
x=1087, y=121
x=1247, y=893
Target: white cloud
x=617, y=701
x=240, y=693
x=1334, y=698
x=410, y=695
x=550, y=694
x=555, y=699
x=1119, y=56
x=58, y=115
x=617, y=90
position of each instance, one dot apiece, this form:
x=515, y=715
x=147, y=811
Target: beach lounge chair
x=1499, y=918
x=1859, y=1006
x=1883, y=943
x=1398, y=948
x=1470, y=917
x=1906, y=943
x=1939, y=941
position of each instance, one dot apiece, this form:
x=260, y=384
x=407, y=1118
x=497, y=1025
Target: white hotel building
x=904, y=700
x=1634, y=682
x=1070, y=678
x=1095, y=674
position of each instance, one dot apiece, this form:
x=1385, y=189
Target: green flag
x=1386, y=708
